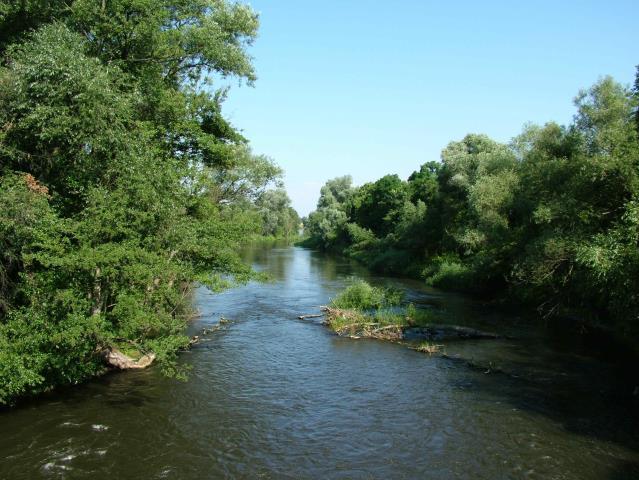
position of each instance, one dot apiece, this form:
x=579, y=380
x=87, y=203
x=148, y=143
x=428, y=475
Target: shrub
x=363, y=296
x=449, y=272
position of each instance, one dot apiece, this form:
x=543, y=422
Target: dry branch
x=311, y=315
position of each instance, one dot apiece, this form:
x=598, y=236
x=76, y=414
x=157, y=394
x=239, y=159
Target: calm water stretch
x=270, y=396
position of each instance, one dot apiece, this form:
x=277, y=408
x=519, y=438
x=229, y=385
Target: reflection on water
x=270, y=396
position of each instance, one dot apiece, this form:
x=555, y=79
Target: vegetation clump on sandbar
x=365, y=311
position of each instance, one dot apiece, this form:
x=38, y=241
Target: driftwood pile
x=357, y=329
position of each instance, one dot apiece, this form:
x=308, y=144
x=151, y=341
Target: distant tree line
x=550, y=218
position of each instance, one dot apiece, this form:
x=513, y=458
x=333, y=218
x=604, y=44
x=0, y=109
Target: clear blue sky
x=369, y=87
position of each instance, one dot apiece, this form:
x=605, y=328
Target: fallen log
x=388, y=327
x=311, y=315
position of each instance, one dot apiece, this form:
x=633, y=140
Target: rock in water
x=117, y=359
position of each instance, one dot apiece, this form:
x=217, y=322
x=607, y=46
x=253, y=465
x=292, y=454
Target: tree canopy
x=122, y=185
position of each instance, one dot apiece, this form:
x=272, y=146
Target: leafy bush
x=363, y=296
x=449, y=272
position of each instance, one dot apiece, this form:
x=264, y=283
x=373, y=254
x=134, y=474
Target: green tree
x=279, y=218
x=551, y=218
x=377, y=206
x=423, y=185
x=121, y=182
x=581, y=187
x=325, y=227
x=635, y=92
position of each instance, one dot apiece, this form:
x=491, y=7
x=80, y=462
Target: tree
x=325, y=227
x=279, y=218
x=581, y=188
x=422, y=184
x=552, y=218
x=122, y=184
x=635, y=92
x=377, y=206
x=337, y=191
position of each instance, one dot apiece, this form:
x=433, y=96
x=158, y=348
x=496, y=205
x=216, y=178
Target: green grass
x=339, y=319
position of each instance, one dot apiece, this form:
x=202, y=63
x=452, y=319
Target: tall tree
x=377, y=206
x=121, y=182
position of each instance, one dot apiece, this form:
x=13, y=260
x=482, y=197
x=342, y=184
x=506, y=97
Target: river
x=273, y=397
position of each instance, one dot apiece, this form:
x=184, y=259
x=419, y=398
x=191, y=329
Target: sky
x=369, y=88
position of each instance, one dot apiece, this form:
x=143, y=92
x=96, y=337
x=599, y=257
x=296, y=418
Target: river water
x=270, y=396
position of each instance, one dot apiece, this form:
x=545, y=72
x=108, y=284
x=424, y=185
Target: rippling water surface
x=270, y=396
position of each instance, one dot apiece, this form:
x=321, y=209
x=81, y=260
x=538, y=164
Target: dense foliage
x=279, y=219
x=361, y=295
x=121, y=183
x=552, y=217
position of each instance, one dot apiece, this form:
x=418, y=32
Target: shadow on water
x=115, y=389
x=564, y=377
x=587, y=402
x=572, y=378
x=625, y=471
